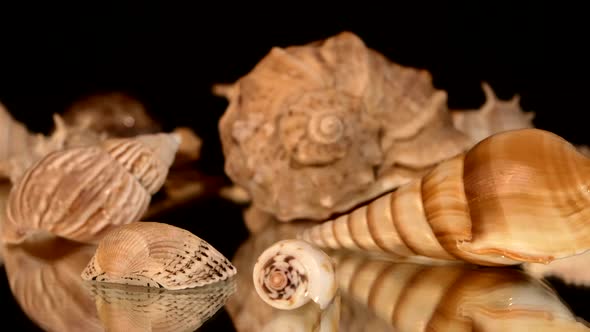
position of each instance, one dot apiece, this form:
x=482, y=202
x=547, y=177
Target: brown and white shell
x=415, y=297
x=316, y=129
x=291, y=273
x=138, y=309
x=517, y=196
x=158, y=255
x=80, y=193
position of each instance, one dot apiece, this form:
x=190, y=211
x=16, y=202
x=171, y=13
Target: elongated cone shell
x=156, y=255
x=416, y=297
x=132, y=308
x=290, y=273
x=517, y=196
x=80, y=193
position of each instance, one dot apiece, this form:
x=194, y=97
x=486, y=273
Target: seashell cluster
x=132, y=308
x=413, y=297
x=80, y=193
x=517, y=196
x=158, y=255
x=290, y=273
x=316, y=129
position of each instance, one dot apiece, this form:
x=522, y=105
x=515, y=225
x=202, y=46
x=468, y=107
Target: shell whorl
x=326, y=128
x=290, y=273
x=80, y=193
x=157, y=255
x=518, y=196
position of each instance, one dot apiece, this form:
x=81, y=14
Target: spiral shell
x=80, y=193
x=317, y=129
x=132, y=308
x=159, y=255
x=415, y=297
x=290, y=273
x=517, y=196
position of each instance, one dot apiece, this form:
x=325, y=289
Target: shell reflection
x=134, y=308
x=44, y=279
x=414, y=297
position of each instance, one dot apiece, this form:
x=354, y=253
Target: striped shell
x=517, y=196
x=290, y=273
x=132, y=308
x=159, y=255
x=80, y=193
x=415, y=297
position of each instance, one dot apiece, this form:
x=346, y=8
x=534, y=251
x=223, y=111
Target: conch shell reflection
x=135, y=308
x=413, y=297
x=44, y=278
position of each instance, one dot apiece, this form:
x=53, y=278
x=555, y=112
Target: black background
x=169, y=56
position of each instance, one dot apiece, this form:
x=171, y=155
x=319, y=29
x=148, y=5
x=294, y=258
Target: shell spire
x=517, y=196
x=158, y=255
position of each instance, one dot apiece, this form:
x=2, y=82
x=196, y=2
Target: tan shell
x=115, y=113
x=132, y=308
x=414, y=297
x=14, y=136
x=493, y=117
x=157, y=255
x=44, y=278
x=316, y=129
x=291, y=273
x=517, y=196
x=80, y=193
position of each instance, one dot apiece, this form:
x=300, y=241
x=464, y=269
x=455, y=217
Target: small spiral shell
x=157, y=255
x=326, y=128
x=518, y=196
x=290, y=273
x=80, y=193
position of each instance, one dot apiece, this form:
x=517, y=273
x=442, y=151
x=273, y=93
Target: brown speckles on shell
x=157, y=255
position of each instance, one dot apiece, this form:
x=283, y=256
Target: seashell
x=517, y=196
x=415, y=297
x=80, y=193
x=290, y=273
x=115, y=113
x=133, y=308
x=315, y=130
x=307, y=318
x=156, y=255
x=44, y=279
x=14, y=136
x=493, y=117
x=574, y=270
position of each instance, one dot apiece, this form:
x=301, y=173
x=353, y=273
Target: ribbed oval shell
x=517, y=196
x=290, y=273
x=159, y=255
x=80, y=193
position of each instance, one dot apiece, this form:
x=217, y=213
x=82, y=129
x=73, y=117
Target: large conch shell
x=44, y=278
x=517, y=196
x=414, y=297
x=80, y=193
x=159, y=255
x=314, y=130
x=132, y=308
x=291, y=273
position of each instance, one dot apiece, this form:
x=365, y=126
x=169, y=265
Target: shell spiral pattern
x=517, y=196
x=80, y=193
x=290, y=273
x=157, y=255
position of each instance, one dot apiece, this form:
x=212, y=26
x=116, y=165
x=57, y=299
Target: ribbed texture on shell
x=77, y=193
x=147, y=157
x=176, y=258
x=128, y=308
x=518, y=196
